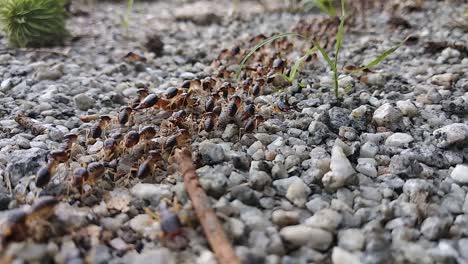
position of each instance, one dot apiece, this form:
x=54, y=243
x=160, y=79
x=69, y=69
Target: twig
x=29, y=123
x=211, y=226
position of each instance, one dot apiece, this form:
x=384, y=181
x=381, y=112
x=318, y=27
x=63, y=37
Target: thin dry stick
x=29, y=123
x=211, y=226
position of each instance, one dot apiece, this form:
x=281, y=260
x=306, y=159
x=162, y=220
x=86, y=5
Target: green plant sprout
x=326, y=6
x=33, y=22
x=333, y=64
x=126, y=17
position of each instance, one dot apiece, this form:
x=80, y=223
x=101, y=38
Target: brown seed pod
x=282, y=106
x=278, y=65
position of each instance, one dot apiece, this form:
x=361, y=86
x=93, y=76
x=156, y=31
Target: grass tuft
x=332, y=63
x=33, y=23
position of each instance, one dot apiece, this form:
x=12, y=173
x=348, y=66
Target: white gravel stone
x=368, y=150
x=460, y=174
x=340, y=255
x=386, y=115
x=407, y=108
x=352, y=239
x=327, y=219
x=341, y=169
x=301, y=235
x=451, y=134
x=148, y=191
x=297, y=193
x=445, y=80
x=367, y=166
x=399, y=140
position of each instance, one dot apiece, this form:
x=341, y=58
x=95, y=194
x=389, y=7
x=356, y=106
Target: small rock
x=211, y=153
x=284, y=218
x=50, y=73
x=407, y=108
x=147, y=191
x=83, y=102
x=100, y=254
x=341, y=169
x=369, y=150
x=230, y=131
x=351, y=239
x=398, y=140
x=339, y=117
x=301, y=235
x=434, y=227
x=297, y=193
x=327, y=219
x=24, y=162
x=367, y=166
x=451, y=134
x=445, y=79
x=161, y=255
x=259, y=179
x=244, y=194
x=460, y=174
x=386, y=115
x=213, y=179
x=340, y=255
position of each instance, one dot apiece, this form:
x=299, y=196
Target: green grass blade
x=259, y=45
x=339, y=35
x=325, y=55
x=297, y=64
x=381, y=57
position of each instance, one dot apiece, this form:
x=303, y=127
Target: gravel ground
x=380, y=176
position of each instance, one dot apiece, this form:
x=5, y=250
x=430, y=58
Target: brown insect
x=80, y=176
x=248, y=111
x=95, y=171
x=211, y=102
x=98, y=128
x=226, y=89
x=44, y=174
x=147, y=133
x=14, y=228
x=131, y=139
x=20, y=222
x=170, y=222
x=124, y=115
x=208, y=83
x=42, y=209
x=178, y=139
x=256, y=89
x=252, y=123
x=148, y=166
x=133, y=57
x=233, y=106
x=282, y=106
x=110, y=148
x=172, y=92
x=209, y=120
x=278, y=65
x=149, y=101
x=68, y=140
